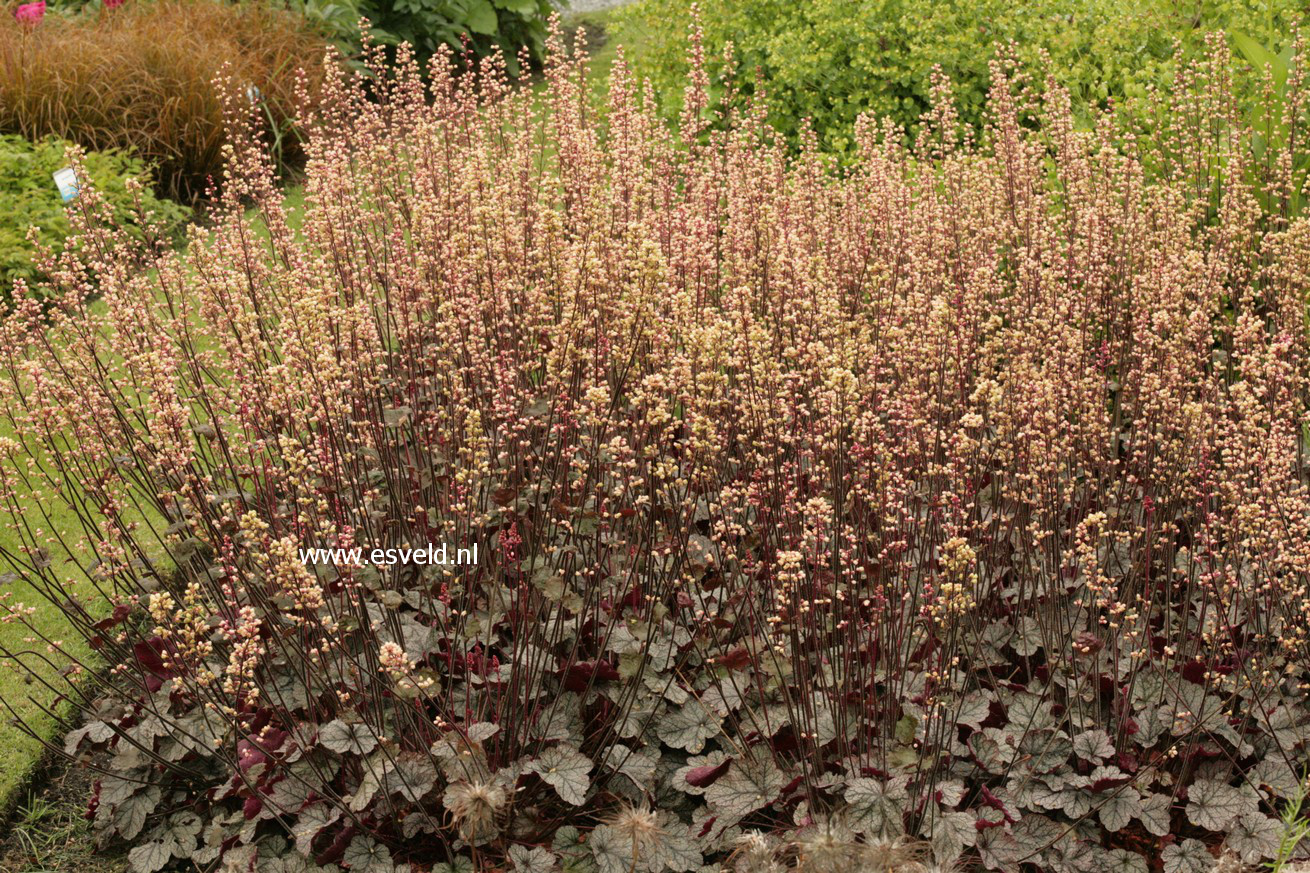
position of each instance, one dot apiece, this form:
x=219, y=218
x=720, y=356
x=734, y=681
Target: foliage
x=141, y=77
x=829, y=61
x=958, y=497
x=28, y=197
x=1295, y=828
x=337, y=19
x=505, y=25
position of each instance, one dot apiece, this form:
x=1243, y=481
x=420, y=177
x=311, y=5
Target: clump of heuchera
x=956, y=497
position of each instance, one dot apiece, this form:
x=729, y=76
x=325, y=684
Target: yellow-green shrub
x=831, y=60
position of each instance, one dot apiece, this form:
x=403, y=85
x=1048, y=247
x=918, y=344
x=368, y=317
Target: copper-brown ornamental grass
x=139, y=76
x=956, y=497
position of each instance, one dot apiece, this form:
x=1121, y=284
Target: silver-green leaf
x=566, y=770
x=876, y=808
x=1214, y=805
x=1189, y=856
x=343, y=738
x=1255, y=837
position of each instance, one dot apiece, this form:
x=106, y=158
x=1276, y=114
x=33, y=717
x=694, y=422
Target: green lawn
x=19, y=752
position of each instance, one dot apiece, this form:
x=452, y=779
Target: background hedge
x=831, y=60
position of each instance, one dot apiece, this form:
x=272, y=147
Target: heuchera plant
x=957, y=498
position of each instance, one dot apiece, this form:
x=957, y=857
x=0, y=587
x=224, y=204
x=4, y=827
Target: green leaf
x=1119, y=809
x=1044, y=750
x=460, y=865
x=974, y=709
x=183, y=830
x=678, y=850
x=366, y=855
x=376, y=768
x=999, y=850
x=1189, y=856
x=746, y=787
x=534, y=860
x=689, y=726
x=1093, y=746
x=150, y=857
x=343, y=738
x=413, y=776
x=130, y=815
x=1255, y=837
x=482, y=731
x=481, y=18
x=572, y=847
x=950, y=834
x=524, y=8
x=1260, y=57
x=637, y=765
x=1155, y=814
x=1028, y=638
x=1030, y=712
x=991, y=749
x=876, y=808
x=1124, y=861
x=613, y=854
x=1214, y=805
x=566, y=770
x=311, y=821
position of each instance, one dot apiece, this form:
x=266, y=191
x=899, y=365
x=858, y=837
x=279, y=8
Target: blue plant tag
x=66, y=179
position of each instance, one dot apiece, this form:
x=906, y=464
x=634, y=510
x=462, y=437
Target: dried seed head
x=1228, y=862
x=638, y=827
x=897, y=855
x=755, y=852
x=827, y=847
x=474, y=807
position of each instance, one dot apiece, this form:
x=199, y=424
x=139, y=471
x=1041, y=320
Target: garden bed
x=940, y=504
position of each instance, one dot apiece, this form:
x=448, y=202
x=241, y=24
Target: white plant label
x=66, y=179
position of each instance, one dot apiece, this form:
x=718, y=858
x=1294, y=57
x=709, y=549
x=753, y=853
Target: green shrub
x=831, y=60
x=28, y=197
x=487, y=24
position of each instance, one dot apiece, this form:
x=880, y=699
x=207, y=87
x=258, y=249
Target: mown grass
x=19, y=751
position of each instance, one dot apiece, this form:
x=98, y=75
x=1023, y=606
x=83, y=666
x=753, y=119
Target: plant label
x=66, y=179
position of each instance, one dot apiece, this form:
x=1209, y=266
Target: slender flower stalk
x=962, y=493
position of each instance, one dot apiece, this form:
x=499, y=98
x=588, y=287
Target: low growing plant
x=958, y=498
x=1295, y=828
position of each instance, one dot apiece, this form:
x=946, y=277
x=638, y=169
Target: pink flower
x=113, y=4
x=30, y=13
